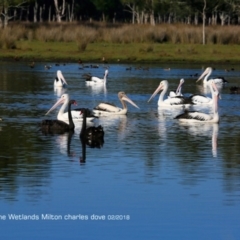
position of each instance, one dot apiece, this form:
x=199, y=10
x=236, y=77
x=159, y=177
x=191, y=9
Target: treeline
x=216, y=12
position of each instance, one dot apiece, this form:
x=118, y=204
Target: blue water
x=153, y=178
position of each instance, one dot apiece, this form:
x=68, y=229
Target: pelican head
x=106, y=72
x=178, y=91
x=207, y=71
x=123, y=97
x=163, y=85
x=214, y=88
x=60, y=77
x=64, y=99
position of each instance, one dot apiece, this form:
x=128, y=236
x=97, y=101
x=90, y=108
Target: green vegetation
x=119, y=43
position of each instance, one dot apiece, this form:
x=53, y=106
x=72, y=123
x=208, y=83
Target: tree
x=106, y=7
x=6, y=6
x=204, y=19
x=60, y=10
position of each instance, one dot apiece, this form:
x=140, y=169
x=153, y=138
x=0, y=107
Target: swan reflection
x=95, y=143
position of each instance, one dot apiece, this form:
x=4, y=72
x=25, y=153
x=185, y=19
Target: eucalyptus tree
x=169, y=10
x=233, y=7
x=137, y=8
x=59, y=9
x=108, y=8
x=204, y=19
x=7, y=8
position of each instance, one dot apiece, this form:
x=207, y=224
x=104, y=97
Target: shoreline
x=109, y=53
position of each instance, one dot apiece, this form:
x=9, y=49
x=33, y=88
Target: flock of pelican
x=67, y=117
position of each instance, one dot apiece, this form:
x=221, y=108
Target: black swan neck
x=71, y=123
x=84, y=123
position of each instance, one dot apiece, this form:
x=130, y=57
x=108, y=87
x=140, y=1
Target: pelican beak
x=216, y=89
x=159, y=88
x=127, y=99
x=60, y=101
x=61, y=77
x=180, y=85
x=203, y=74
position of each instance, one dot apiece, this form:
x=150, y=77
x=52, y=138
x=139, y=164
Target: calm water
x=152, y=179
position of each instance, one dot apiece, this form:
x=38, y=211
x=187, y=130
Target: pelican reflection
x=59, y=91
x=204, y=131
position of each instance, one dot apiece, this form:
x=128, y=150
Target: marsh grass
x=124, y=33
x=120, y=42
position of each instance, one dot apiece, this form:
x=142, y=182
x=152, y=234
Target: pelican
x=105, y=109
x=92, y=136
x=178, y=91
x=174, y=101
x=60, y=80
x=193, y=116
x=96, y=80
x=196, y=99
x=199, y=99
x=57, y=125
x=63, y=116
x=207, y=73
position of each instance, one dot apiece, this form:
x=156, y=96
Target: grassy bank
x=131, y=52
x=119, y=43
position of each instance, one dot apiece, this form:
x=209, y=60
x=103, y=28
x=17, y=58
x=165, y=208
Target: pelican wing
x=178, y=101
x=107, y=107
x=198, y=116
x=200, y=99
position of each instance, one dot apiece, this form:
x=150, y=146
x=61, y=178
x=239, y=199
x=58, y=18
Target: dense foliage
x=132, y=11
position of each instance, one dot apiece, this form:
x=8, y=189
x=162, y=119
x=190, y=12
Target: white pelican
x=57, y=125
x=207, y=73
x=63, y=116
x=59, y=80
x=174, y=101
x=96, y=80
x=178, y=91
x=196, y=99
x=193, y=116
x=106, y=109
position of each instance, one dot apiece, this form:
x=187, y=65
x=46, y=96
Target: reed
x=124, y=42
x=7, y=39
x=125, y=33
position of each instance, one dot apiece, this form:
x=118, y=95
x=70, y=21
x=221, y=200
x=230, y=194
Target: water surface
x=156, y=177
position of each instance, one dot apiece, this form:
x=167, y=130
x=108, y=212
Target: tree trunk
x=196, y=18
x=152, y=20
x=40, y=14
x=6, y=18
x=70, y=11
x=204, y=19
x=59, y=10
x=103, y=17
x=35, y=12
x=49, y=14
x=223, y=18
x=133, y=14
